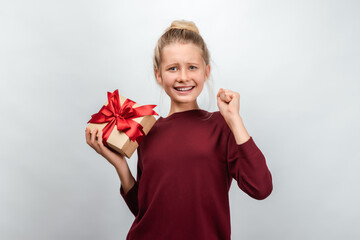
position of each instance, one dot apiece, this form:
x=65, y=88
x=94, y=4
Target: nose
x=184, y=75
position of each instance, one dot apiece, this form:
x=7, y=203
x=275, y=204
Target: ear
x=158, y=76
x=207, y=71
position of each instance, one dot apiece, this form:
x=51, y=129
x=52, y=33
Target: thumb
x=222, y=95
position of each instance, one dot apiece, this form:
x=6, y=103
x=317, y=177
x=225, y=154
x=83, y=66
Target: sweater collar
x=187, y=113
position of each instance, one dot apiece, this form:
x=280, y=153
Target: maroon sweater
x=185, y=167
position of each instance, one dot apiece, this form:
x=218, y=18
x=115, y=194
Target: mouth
x=185, y=89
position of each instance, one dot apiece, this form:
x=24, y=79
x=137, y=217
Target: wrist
x=114, y=159
x=235, y=121
x=118, y=163
x=237, y=127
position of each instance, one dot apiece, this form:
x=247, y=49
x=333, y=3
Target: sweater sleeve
x=131, y=197
x=247, y=165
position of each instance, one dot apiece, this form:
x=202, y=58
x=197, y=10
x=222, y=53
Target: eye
x=172, y=69
x=193, y=67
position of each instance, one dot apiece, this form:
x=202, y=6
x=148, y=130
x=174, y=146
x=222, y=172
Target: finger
x=100, y=139
x=93, y=136
x=232, y=94
x=219, y=99
x=99, y=143
x=220, y=91
x=95, y=141
x=222, y=95
x=87, y=135
x=237, y=95
x=225, y=96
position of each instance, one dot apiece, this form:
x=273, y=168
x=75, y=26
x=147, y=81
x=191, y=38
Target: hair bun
x=183, y=24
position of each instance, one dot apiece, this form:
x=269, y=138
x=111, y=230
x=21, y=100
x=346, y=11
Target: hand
x=94, y=139
x=229, y=104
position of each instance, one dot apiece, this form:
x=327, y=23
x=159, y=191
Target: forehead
x=181, y=52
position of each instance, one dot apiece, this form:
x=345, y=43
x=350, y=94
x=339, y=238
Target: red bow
x=122, y=116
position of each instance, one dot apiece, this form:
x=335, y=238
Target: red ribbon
x=122, y=116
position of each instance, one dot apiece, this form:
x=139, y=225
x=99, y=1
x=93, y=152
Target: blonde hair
x=180, y=31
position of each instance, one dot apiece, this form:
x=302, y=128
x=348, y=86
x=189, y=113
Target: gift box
x=124, y=123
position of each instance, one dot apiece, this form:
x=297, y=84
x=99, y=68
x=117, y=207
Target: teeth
x=183, y=89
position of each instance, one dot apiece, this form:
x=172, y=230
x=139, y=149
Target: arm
x=131, y=196
x=247, y=165
x=128, y=187
x=127, y=180
x=246, y=162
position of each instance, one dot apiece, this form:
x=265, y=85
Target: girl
x=187, y=161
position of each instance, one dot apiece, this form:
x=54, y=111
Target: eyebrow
x=175, y=64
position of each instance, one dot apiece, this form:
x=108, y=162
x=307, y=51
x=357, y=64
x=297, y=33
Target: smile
x=184, y=89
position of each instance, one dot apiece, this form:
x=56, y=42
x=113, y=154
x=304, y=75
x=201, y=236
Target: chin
x=190, y=100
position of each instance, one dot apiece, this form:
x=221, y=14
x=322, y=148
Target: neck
x=181, y=107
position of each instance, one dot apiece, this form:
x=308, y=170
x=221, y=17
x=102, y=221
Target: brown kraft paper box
x=118, y=140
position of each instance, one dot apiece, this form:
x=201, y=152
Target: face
x=183, y=73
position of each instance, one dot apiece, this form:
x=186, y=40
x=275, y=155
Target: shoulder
x=217, y=116
x=219, y=119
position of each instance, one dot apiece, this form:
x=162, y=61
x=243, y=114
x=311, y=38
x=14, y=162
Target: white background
x=296, y=65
